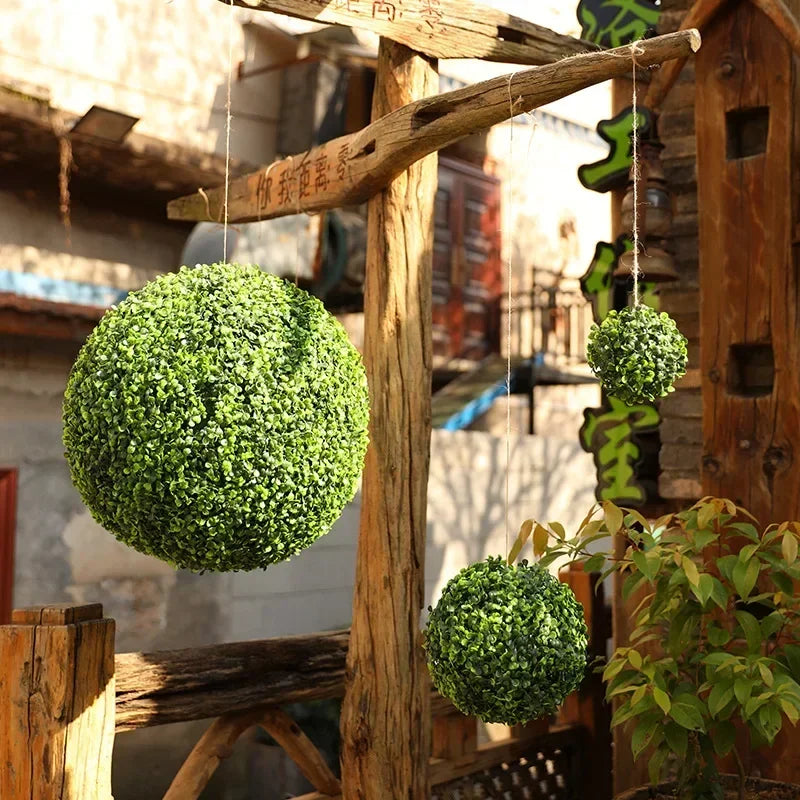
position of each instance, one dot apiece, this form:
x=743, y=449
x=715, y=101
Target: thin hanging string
x=509, y=311
x=231, y=18
x=637, y=272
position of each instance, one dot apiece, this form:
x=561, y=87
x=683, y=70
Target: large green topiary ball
x=217, y=419
x=506, y=643
x=637, y=354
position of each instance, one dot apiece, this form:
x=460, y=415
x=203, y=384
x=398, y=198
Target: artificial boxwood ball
x=506, y=643
x=217, y=419
x=637, y=354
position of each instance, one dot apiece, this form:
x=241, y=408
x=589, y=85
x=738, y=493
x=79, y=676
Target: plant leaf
x=690, y=568
x=687, y=716
x=677, y=738
x=613, y=517
x=751, y=630
x=540, y=539
x=522, y=537
x=642, y=736
x=720, y=696
x=744, y=577
x=789, y=547
x=662, y=698
x=723, y=737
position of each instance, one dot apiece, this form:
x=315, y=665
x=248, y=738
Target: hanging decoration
x=615, y=23
x=612, y=172
x=217, y=419
x=637, y=353
x=506, y=642
x=613, y=435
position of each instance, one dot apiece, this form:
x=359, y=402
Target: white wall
x=548, y=479
x=165, y=62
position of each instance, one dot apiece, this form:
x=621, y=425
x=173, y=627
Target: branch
x=351, y=169
x=438, y=28
x=698, y=16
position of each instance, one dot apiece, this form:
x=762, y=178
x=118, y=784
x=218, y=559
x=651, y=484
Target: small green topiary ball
x=217, y=419
x=637, y=354
x=506, y=643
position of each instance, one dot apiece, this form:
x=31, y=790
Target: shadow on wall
x=547, y=479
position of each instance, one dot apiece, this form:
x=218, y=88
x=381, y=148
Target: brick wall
x=682, y=411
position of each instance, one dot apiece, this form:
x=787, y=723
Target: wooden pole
x=57, y=704
x=386, y=713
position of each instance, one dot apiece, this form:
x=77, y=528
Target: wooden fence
x=64, y=694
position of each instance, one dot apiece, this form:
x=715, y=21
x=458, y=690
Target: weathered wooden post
x=385, y=719
x=57, y=704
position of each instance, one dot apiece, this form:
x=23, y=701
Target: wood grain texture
x=698, y=16
x=749, y=279
x=352, y=169
x=217, y=744
x=438, y=28
x=783, y=19
x=57, y=709
x=386, y=714
x=203, y=682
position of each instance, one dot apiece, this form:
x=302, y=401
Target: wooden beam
x=783, y=19
x=217, y=743
x=386, y=714
x=57, y=704
x=203, y=682
x=438, y=28
x=351, y=169
x=698, y=16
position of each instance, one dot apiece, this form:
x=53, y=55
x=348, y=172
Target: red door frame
x=8, y=519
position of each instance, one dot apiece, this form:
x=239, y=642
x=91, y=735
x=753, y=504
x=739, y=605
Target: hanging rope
x=231, y=19
x=637, y=272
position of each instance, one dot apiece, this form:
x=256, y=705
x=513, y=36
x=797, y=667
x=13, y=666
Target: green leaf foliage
x=217, y=419
x=715, y=622
x=637, y=353
x=506, y=643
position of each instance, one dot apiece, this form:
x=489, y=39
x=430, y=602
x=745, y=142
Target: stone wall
x=682, y=411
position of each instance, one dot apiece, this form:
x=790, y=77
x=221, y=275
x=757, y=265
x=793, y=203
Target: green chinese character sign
x=598, y=282
x=614, y=23
x=612, y=172
x=609, y=433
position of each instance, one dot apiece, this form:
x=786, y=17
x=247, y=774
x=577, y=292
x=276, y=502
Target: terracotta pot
x=789, y=790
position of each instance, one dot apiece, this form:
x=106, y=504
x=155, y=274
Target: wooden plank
x=698, y=16
x=438, y=28
x=217, y=744
x=386, y=713
x=494, y=753
x=8, y=530
x=352, y=169
x=203, y=682
x=57, y=710
x=749, y=286
x=286, y=732
x=783, y=19
x=587, y=707
x=750, y=283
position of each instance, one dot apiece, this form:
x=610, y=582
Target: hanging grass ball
x=217, y=419
x=506, y=643
x=637, y=354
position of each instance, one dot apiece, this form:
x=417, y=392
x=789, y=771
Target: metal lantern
x=655, y=218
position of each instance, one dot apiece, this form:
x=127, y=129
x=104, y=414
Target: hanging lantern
x=655, y=218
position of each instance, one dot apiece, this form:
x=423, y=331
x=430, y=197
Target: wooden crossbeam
x=351, y=169
x=438, y=28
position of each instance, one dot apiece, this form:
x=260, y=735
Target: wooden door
x=467, y=269
x=8, y=516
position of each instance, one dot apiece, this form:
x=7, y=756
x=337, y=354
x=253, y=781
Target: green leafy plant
x=506, y=642
x=716, y=637
x=637, y=353
x=217, y=419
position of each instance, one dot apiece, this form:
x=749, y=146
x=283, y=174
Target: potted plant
x=713, y=662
